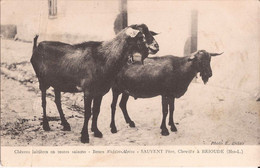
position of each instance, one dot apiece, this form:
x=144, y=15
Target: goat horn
x=154, y=33
x=215, y=54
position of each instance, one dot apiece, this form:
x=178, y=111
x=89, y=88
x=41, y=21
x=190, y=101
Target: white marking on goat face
x=131, y=32
x=153, y=46
x=144, y=39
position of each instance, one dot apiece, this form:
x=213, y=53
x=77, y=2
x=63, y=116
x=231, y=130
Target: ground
x=205, y=115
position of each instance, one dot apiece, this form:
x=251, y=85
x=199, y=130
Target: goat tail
x=35, y=41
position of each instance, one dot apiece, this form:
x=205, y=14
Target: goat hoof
x=165, y=132
x=113, y=130
x=66, y=127
x=46, y=127
x=173, y=129
x=98, y=134
x=84, y=139
x=131, y=124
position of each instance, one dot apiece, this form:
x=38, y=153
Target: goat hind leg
x=171, y=107
x=113, y=111
x=96, y=111
x=45, y=123
x=163, y=127
x=122, y=105
x=64, y=122
x=87, y=115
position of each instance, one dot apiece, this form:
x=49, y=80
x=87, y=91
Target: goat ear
x=192, y=56
x=131, y=32
x=215, y=54
x=153, y=33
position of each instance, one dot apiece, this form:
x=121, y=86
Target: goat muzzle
x=152, y=51
x=153, y=48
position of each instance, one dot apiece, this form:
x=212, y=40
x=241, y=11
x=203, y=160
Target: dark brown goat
x=89, y=67
x=168, y=76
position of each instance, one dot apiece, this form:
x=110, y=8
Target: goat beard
x=204, y=77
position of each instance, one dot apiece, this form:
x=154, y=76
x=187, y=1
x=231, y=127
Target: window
x=52, y=8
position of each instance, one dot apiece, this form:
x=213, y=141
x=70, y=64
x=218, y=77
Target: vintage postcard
x=130, y=83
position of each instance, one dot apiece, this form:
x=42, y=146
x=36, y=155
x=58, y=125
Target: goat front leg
x=163, y=127
x=171, y=107
x=64, y=122
x=122, y=105
x=96, y=111
x=87, y=115
x=113, y=111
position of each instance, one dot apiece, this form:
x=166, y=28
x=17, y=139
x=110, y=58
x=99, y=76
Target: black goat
x=89, y=67
x=168, y=76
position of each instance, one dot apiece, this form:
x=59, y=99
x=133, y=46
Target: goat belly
x=92, y=88
x=141, y=95
x=71, y=89
x=142, y=90
x=63, y=84
x=143, y=87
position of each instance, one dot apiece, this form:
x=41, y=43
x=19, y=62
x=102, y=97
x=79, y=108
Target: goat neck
x=189, y=68
x=117, y=51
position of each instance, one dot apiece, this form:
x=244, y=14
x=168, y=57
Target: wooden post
x=124, y=13
x=121, y=20
x=194, y=31
x=194, y=34
x=191, y=44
